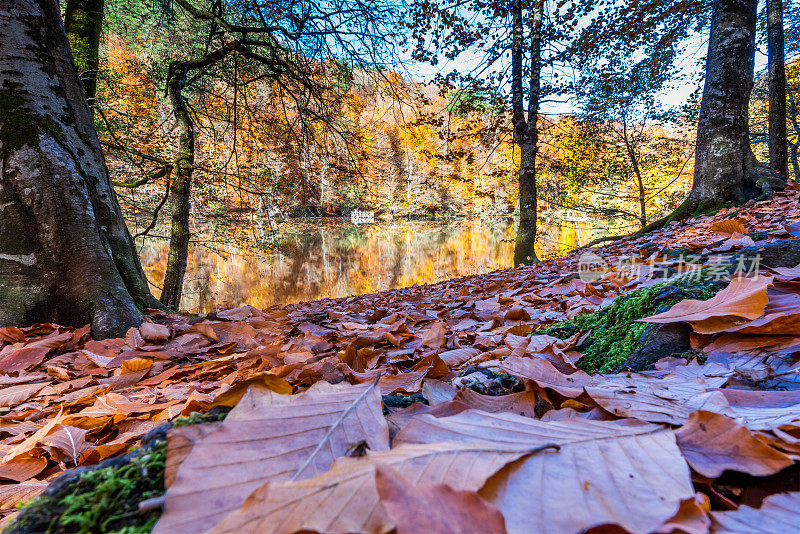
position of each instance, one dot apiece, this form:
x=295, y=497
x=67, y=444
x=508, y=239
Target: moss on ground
x=105, y=498
x=102, y=501
x=197, y=418
x=613, y=333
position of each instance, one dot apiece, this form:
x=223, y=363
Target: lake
x=320, y=258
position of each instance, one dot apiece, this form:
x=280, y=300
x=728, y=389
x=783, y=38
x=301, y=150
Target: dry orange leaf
x=713, y=443
x=267, y=381
x=434, y=509
x=742, y=301
x=729, y=226
x=282, y=438
x=136, y=365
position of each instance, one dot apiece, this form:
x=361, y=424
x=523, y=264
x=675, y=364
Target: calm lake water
x=323, y=258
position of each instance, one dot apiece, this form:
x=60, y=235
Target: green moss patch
x=613, y=333
x=103, y=500
x=197, y=418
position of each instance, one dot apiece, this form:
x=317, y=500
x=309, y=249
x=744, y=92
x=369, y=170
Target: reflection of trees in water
x=341, y=259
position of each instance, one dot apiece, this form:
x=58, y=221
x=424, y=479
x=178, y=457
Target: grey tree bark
x=725, y=169
x=65, y=253
x=526, y=133
x=776, y=88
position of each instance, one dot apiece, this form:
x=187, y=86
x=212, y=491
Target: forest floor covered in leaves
x=656, y=392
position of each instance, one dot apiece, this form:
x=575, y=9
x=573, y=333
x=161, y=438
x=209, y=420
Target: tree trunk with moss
x=83, y=22
x=726, y=170
x=183, y=167
x=179, y=191
x=65, y=253
x=526, y=132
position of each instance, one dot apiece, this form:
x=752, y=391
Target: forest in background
x=387, y=142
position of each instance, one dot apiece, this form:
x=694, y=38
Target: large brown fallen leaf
x=12, y=395
x=742, y=301
x=295, y=438
x=11, y=495
x=781, y=315
x=763, y=410
x=712, y=443
x=346, y=500
x=603, y=472
x=545, y=375
x=778, y=513
x=658, y=405
x=435, y=509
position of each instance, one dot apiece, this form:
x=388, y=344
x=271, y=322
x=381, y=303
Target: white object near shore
x=361, y=217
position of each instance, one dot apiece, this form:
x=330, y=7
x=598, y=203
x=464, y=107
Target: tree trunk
x=526, y=131
x=179, y=191
x=636, y=172
x=65, y=253
x=794, y=145
x=725, y=169
x=83, y=22
x=778, y=156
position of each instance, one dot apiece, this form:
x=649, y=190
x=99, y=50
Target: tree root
x=760, y=182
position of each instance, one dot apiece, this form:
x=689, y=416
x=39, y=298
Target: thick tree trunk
x=778, y=145
x=179, y=191
x=725, y=169
x=83, y=22
x=65, y=253
x=526, y=132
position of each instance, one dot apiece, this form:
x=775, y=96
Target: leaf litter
x=326, y=431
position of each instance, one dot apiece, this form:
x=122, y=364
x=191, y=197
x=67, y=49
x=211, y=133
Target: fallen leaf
x=603, y=465
x=729, y=226
x=691, y=518
x=266, y=381
x=136, y=365
x=778, y=513
x=293, y=440
x=713, y=443
x=742, y=301
x=154, y=332
x=12, y=495
x=434, y=336
x=14, y=358
x=345, y=499
x=434, y=509
x=12, y=395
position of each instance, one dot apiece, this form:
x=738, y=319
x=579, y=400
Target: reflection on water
x=335, y=258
